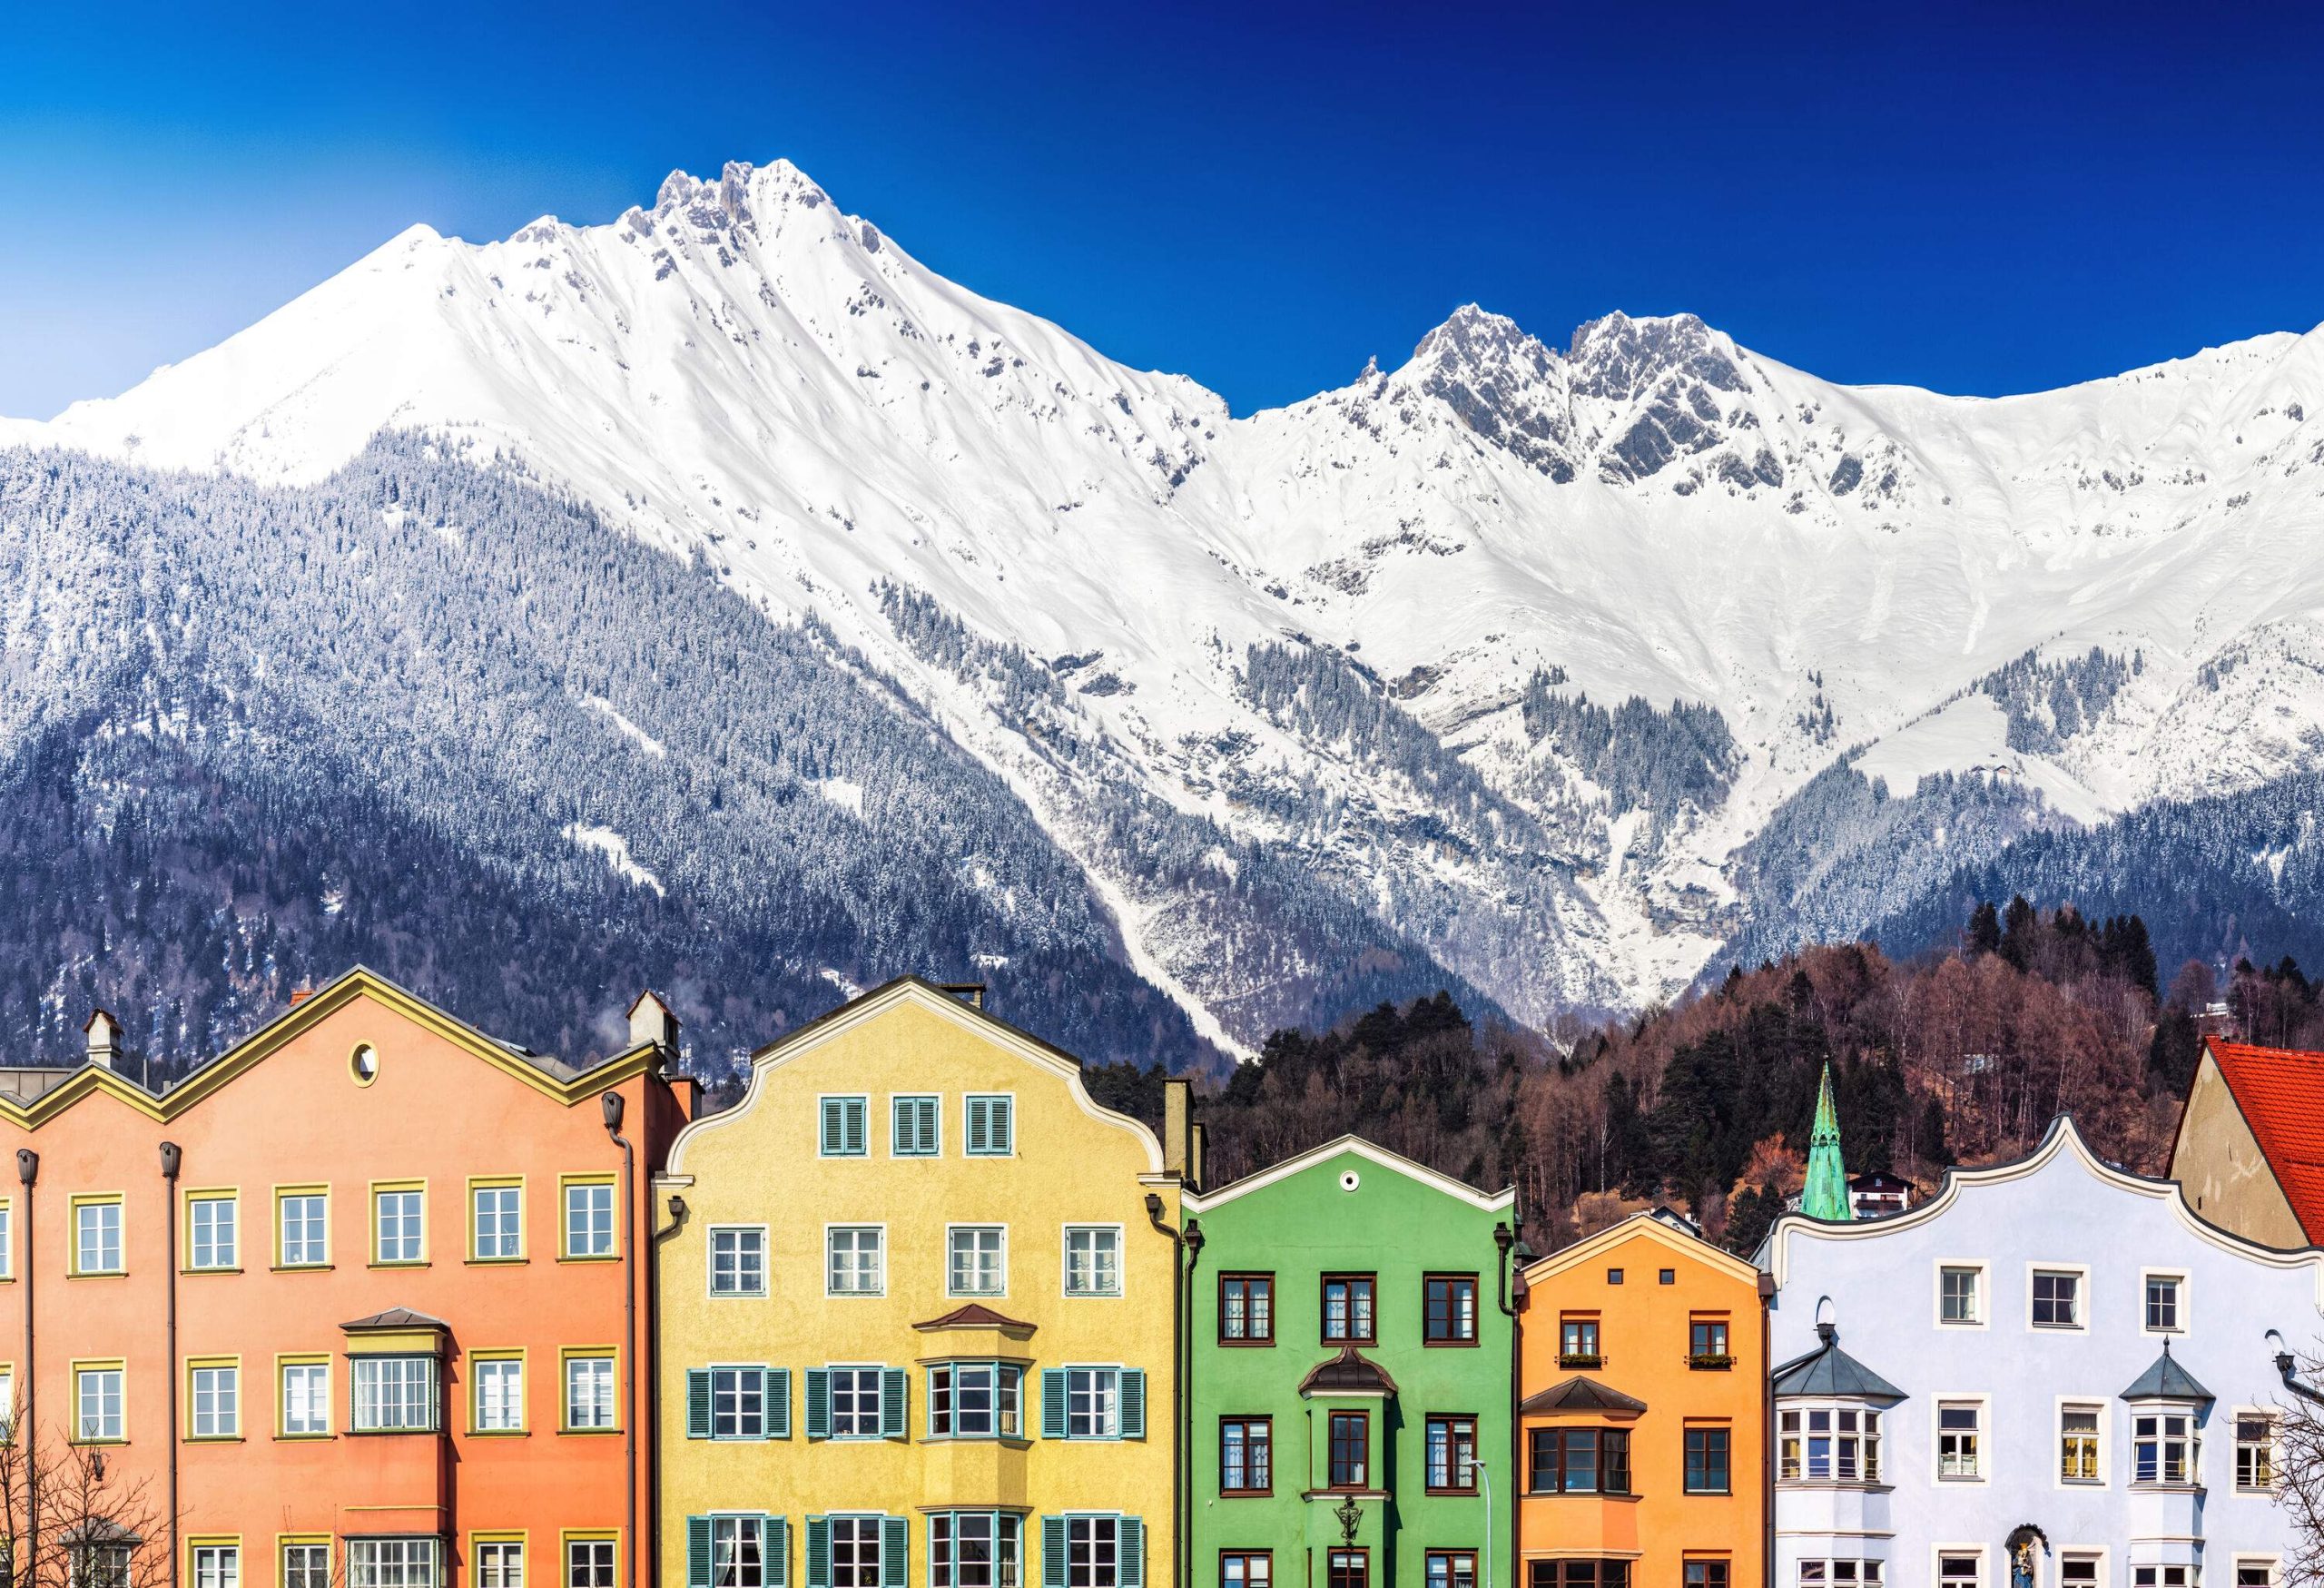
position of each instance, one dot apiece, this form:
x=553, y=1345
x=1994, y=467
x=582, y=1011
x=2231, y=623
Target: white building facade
x=2052, y=1374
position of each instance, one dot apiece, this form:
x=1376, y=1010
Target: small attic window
x=364, y=1063
x=1613, y=1276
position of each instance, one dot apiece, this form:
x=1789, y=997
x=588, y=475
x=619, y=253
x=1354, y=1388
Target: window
x=1839, y=1574
x=912, y=1127
x=1578, y=1575
x=1094, y=1398
x=1451, y=1568
x=7, y=1238
x=302, y=1221
x=855, y=1401
x=1351, y=1453
x=96, y=1235
x=1666, y=1277
x=1707, y=1344
x=98, y=1565
x=738, y=1401
x=500, y=1564
x=96, y=1404
x=394, y=1394
x=306, y=1399
x=976, y=1260
x=854, y=1261
x=1959, y=1571
x=2078, y=1571
x=990, y=1125
x=2163, y=1446
x=1245, y=1569
x=737, y=1552
x=1580, y=1461
x=974, y=1549
x=392, y=1562
x=1452, y=1454
x=589, y=1400
x=1704, y=1575
x=1960, y=1295
x=1246, y=1455
x=737, y=1262
x=589, y=1219
x=398, y=1233
x=496, y=1220
x=308, y=1565
x=499, y=1393
x=2078, y=1428
x=1613, y=1276
x=1093, y=1261
x=976, y=1400
x=2163, y=1576
x=217, y=1565
x=1828, y=1445
x=590, y=1563
x=1958, y=1424
x=2255, y=1451
x=1578, y=1342
x=1706, y=1461
x=1247, y=1309
x=2255, y=1572
x=2057, y=1299
x=2164, y=1312
x=1347, y=1308
x=210, y=1235
x=844, y=1131
x=855, y=1550
x=1450, y=1309
x=1348, y=1568
x=1101, y=1552
x=214, y=1400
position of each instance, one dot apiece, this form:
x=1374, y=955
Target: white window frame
x=829, y=1232
x=317, y=1400
x=512, y=1405
x=1869, y=1441
x=379, y=1198
x=2274, y=1416
x=953, y=1368
x=710, y=1261
x=2190, y=1571
x=1983, y=1270
x=594, y=1360
x=416, y=1548
x=507, y=1566
x=434, y=1386
x=2099, y=1553
x=935, y=1101
x=1937, y=1551
x=225, y=1395
x=117, y=1429
x=2193, y=1476
x=283, y=1198
x=2274, y=1564
x=878, y=1521
x=2104, y=1407
x=476, y=1193
x=2079, y=1273
x=1064, y=1261
x=862, y=1102
x=309, y=1573
x=1985, y=1474
x=7, y=1237
x=1108, y=1403
x=879, y=1372
x=1092, y=1520
x=734, y=1523
x=1009, y=1573
x=951, y=1233
x=80, y=1213
x=737, y=1372
x=225, y=1566
x=591, y=1189
x=973, y=1097
x=2186, y=1309
x=595, y=1545
x=231, y=1202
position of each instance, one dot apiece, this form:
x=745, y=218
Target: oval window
x=1350, y=1180
x=365, y=1063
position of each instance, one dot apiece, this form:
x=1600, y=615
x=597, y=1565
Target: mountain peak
x=739, y=189
x=1620, y=358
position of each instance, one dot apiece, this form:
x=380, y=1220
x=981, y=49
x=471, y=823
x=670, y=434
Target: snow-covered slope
x=1357, y=632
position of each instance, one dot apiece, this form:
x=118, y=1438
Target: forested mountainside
x=1961, y=1055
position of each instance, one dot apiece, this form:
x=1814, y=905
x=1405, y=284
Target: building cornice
x=1494, y=1202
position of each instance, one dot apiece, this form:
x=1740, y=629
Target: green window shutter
x=697, y=1551
x=819, y=1552
x=834, y=1140
x=778, y=1405
x=819, y=1416
x=1001, y=1128
x=1052, y=1551
x=1052, y=1402
x=854, y=1110
x=698, y=1403
x=1133, y=1403
x=980, y=1130
x=1131, y=1552
x=892, y=1403
x=895, y=1533
x=903, y=1129
x=778, y=1552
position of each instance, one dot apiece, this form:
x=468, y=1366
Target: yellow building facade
x=916, y=1316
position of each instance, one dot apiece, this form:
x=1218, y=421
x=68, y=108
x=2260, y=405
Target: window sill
x=1860, y=1486
x=398, y=1263
x=93, y=1442
x=593, y=1257
x=586, y=1433
x=1246, y=1494
x=395, y=1434
x=98, y=1274
x=2167, y=1489
x=1433, y=1493
x=1344, y=1493
x=196, y=1273
x=301, y=1268
x=500, y=1433
x=1470, y=1344
x=1708, y=1494
x=1710, y=1364
x=213, y=1439
x=1351, y=1340
x=1006, y=1441
x=1581, y=1359
x=497, y=1262
x=300, y=1438
x=1245, y=1345
x=1629, y=1499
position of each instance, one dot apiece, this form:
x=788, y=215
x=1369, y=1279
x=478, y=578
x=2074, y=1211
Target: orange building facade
x=362, y=1303
x=1641, y=1413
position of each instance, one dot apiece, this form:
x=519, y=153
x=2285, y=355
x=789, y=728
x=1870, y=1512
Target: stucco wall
x=2227, y=1177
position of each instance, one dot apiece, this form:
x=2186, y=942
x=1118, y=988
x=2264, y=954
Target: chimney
x=1201, y=1151
x=104, y=1032
x=969, y=992
x=299, y=995
x=1177, y=1119
x=650, y=1020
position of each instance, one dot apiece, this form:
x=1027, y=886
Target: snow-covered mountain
x=1565, y=668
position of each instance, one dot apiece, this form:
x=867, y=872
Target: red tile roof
x=2281, y=1093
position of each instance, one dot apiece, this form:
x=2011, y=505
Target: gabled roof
x=395, y=1317
x=1349, y=1373
x=1581, y=1395
x=1492, y=1202
x=1828, y=1370
x=1650, y=1225
x=976, y=1315
x=2167, y=1381
x=2280, y=1091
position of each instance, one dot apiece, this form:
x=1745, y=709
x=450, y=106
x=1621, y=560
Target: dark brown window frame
x=1427, y=1301
x=1558, y=1576
x=1430, y=1557
x=1717, y=1570
x=1246, y=1424
x=1247, y=1557
x=1557, y=1467
x=1710, y=1361
x=1592, y=1359
x=1363, y=1554
x=1324, y=1308
x=1686, y=1435
x=1245, y=1277
x=1426, y=1427
x=1362, y=1420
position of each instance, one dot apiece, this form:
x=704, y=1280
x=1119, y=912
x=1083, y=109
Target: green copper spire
x=1827, y=1193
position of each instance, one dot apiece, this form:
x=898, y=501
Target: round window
x=365, y=1063
x=1350, y=1180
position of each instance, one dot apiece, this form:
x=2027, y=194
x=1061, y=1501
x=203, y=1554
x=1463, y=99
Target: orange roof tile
x=2281, y=1093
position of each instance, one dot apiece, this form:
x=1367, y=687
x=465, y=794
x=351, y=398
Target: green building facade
x=1349, y=1379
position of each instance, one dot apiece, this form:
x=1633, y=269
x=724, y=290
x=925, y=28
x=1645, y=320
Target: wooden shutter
x=819, y=1418
x=1052, y=1402
x=1133, y=1404
x=835, y=1129
x=895, y=1533
x=1130, y=1553
x=852, y=1113
x=778, y=1406
x=892, y=1403
x=697, y=1551
x=1052, y=1551
x=777, y=1552
x=819, y=1552
x=698, y=1403
x=1000, y=1129
x=980, y=1127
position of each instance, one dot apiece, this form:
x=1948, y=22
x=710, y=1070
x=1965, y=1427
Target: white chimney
x=104, y=1032
x=650, y=1020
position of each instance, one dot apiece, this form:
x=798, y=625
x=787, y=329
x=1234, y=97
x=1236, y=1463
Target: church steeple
x=1826, y=1194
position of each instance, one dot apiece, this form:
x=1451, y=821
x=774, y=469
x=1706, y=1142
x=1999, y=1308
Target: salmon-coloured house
x=363, y=1301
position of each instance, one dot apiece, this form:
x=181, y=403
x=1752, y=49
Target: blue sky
x=1966, y=197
